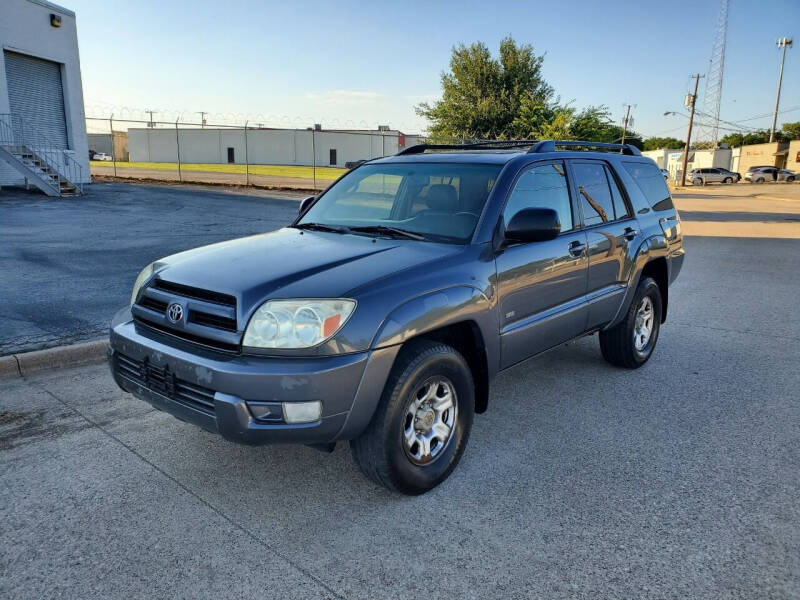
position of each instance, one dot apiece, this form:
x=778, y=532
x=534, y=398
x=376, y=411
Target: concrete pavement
x=676, y=480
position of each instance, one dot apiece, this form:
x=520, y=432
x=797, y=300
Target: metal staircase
x=50, y=168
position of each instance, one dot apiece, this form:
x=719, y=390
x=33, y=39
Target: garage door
x=35, y=93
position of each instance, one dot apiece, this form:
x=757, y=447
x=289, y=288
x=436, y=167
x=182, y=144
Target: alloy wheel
x=643, y=326
x=430, y=420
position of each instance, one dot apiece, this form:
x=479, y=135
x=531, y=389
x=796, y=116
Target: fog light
x=302, y=412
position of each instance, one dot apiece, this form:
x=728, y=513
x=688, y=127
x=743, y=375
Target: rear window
x=651, y=182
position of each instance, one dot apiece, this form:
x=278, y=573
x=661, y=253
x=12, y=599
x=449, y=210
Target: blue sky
x=360, y=64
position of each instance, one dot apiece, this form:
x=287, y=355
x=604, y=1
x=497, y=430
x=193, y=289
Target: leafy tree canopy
x=787, y=132
x=659, y=143
x=484, y=97
x=791, y=130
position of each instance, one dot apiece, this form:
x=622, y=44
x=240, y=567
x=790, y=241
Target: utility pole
x=113, y=154
x=784, y=43
x=202, y=119
x=151, y=124
x=692, y=100
x=625, y=122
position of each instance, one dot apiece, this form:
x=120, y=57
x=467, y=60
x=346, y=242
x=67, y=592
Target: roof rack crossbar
x=535, y=147
x=421, y=148
x=550, y=146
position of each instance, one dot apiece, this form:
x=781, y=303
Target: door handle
x=629, y=233
x=576, y=248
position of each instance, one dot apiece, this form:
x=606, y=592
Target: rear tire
x=631, y=343
x=403, y=447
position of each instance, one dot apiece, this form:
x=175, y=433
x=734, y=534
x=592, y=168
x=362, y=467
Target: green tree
x=594, y=124
x=659, y=143
x=743, y=139
x=487, y=97
x=791, y=130
x=484, y=97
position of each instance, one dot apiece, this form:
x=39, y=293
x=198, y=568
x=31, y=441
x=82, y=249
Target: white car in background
x=102, y=156
x=767, y=174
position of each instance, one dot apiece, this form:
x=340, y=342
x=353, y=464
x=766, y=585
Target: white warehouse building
x=42, y=126
x=263, y=146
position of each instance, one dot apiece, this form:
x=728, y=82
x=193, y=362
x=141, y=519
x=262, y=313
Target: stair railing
x=15, y=131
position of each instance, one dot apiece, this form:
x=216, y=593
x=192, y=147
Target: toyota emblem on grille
x=174, y=312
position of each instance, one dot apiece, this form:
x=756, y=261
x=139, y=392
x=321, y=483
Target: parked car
x=102, y=156
x=736, y=176
x=749, y=173
x=381, y=314
x=710, y=175
x=767, y=174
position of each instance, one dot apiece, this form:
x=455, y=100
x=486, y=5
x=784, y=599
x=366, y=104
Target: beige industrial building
x=785, y=155
x=322, y=147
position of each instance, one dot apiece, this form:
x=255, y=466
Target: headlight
x=143, y=277
x=296, y=323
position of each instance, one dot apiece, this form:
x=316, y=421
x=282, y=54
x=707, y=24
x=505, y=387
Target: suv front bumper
x=219, y=391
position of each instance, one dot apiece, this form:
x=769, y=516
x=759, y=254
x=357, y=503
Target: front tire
x=421, y=425
x=697, y=182
x=727, y=180
x=631, y=343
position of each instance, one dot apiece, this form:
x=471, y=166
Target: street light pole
x=784, y=43
x=693, y=101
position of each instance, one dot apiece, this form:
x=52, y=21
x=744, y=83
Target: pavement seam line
x=189, y=491
x=740, y=331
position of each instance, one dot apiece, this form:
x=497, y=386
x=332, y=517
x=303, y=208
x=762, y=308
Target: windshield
x=441, y=202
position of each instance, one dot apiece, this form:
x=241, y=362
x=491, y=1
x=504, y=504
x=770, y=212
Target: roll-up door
x=35, y=93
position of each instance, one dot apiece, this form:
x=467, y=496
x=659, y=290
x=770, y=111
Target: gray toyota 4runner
x=383, y=312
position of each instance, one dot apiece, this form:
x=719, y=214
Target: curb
x=60, y=357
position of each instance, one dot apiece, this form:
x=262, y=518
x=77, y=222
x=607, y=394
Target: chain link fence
x=249, y=154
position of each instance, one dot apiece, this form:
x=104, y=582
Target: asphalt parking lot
x=678, y=480
x=68, y=263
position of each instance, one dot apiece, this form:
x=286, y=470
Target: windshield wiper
x=390, y=231
x=322, y=227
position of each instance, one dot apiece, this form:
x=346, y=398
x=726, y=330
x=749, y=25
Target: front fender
x=437, y=309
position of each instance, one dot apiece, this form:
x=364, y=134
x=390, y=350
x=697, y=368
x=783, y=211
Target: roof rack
x=535, y=147
x=550, y=146
x=491, y=145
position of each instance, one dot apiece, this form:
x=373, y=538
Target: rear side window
x=601, y=199
x=651, y=182
x=620, y=208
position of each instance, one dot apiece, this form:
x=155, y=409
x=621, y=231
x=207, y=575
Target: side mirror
x=306, y=203
x=533, y=225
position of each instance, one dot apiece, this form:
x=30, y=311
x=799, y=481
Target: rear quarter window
x=651, y=182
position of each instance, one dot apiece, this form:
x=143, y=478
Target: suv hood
x=290, y=263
